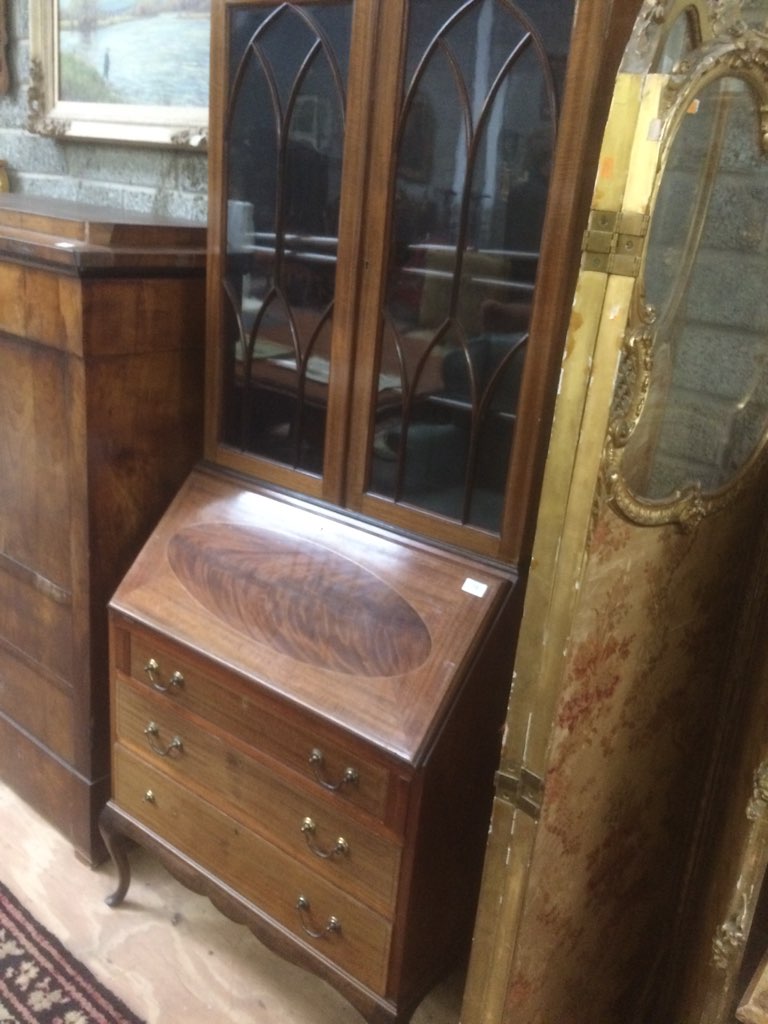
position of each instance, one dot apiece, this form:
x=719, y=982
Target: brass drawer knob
x=339, y=849
x=152, y=732
x=149, y=797
x=349, y=778
x=332, y=925
x=175, y=680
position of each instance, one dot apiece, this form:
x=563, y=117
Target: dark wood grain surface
x=100, y=421
x=360, y=626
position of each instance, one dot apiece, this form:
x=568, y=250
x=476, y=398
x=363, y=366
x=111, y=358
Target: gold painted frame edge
x=179, y=127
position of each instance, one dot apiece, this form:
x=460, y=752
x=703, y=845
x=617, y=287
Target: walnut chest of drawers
x=306, y=719
x=101, y=397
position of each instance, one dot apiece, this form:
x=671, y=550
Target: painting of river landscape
x=148, y=53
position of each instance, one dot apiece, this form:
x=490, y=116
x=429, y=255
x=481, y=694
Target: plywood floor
x=167, y=952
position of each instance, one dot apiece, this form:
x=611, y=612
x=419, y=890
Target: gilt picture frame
x=120, y=72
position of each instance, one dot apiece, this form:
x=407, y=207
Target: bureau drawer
x=273, y=881
x=308, y=826
x=245, y=710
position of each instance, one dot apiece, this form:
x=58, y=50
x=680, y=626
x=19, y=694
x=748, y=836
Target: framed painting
x=132, y=71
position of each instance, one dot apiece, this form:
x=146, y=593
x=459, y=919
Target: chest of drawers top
x=85, y=240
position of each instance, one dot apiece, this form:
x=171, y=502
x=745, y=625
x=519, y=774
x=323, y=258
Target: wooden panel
x=145, y=431
x=223, y=771
x=62, y=795
x=37, y=622
x=85, y=238
x=450, y=825
x=41, y=306
x=300, y=598
x=454, y=598
x=35, y=698
x=246, y=712
x=143, y=404
x=143, y=314
x=222, y=845
x=96, y=225
x=36, y=492
x=35, y=475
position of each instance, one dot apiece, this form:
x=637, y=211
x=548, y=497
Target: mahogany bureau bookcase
x=311, y=656
x=101, y=348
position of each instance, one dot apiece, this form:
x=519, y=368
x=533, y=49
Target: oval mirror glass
x=706, y=409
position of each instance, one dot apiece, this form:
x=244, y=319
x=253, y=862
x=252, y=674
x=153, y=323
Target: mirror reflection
x=706, y=410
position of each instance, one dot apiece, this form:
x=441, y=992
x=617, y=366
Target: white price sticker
x=474, y=587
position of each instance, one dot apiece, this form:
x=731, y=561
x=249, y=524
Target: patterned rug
x=40, y=983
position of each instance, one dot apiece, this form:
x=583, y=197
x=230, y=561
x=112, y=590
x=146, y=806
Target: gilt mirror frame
x=115, y=122
x=728, y=49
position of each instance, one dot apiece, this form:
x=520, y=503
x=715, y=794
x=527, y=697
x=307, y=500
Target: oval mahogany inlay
x=300, y=598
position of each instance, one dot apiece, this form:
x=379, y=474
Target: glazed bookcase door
x=636, y=581
x=284, y=154
x=466, y=136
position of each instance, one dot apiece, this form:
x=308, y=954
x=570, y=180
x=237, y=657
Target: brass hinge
x=614, y=241
x=522, y=788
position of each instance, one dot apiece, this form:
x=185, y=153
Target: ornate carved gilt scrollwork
x=653, y=27
x=757, y=808
x=743, y=51
x=37, y=121
x=731, y=936
x=651, y=20
x=705, y=19
x=686, y=507
x=634, y=378
x=193, y=138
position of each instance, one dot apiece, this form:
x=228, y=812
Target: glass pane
x=475, y=141
x=285, y=133
x=707, y=406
